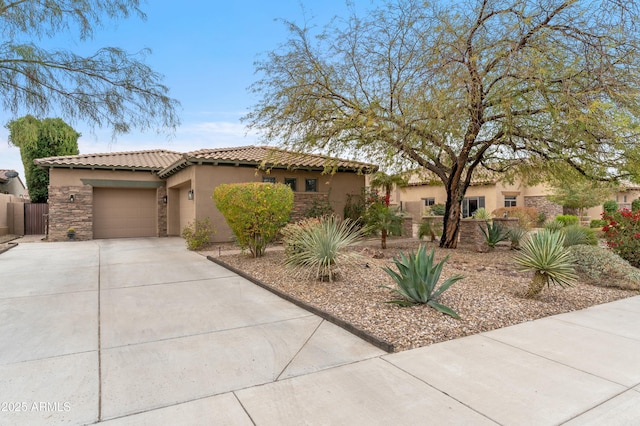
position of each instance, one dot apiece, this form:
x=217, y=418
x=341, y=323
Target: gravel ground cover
x=490, y=296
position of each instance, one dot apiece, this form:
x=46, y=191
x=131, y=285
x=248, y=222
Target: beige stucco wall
x=14, y=186
x=204, y=178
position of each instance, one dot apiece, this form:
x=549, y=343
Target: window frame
x=289, y=181
x=314, y=187
x=269, y=179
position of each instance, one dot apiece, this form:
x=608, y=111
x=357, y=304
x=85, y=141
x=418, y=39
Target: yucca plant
x=417, y=277
x=553, y=225
x=516, y=235
x=494, y=233
x=544, y=254
x=482, y=213
x=321, y=249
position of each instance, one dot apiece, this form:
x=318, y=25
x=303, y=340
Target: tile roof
x=156, y=159
x=3, y=176
x=481, y=176
x=264, y=156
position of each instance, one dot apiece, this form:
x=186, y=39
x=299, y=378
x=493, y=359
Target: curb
x=379, y=343
x=10, y=246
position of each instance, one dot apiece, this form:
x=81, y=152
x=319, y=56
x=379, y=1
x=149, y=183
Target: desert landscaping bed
x=490, y=296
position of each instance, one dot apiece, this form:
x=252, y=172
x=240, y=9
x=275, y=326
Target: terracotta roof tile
x=150, y=160
x=273, y=157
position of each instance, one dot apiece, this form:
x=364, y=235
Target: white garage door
x=124, y=212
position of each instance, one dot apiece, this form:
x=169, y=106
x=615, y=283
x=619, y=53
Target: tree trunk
x=453, y=211
x=383, y=239
x=536, y=285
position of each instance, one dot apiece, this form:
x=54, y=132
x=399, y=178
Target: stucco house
x=488, y=190
x=12, y=185
x=158, y=192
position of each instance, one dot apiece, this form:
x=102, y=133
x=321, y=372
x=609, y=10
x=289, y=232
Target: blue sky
x=206, y=51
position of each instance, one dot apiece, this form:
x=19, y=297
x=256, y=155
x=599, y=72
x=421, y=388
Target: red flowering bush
x=622, y=232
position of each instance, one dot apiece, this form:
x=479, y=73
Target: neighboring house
x=12, y=185
x=489, y=191
x=158, y=192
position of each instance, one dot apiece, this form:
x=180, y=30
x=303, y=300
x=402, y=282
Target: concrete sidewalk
x=143, y=332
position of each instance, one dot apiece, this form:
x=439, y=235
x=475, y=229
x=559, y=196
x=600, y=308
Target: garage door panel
x=124, y=212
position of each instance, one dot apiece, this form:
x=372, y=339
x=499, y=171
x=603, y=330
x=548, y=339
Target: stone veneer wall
x=543, y=205
x=470, y=235
x=63, y=214
x=303, y=201
x=407, y=226
x=162, y=211
x=506, y=222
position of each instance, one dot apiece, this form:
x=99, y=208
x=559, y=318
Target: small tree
x=38, y=139
x=255, y=212
x=383, y=219
x=387, y=182
x=580, y=194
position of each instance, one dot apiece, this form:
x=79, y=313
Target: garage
x=124, y=212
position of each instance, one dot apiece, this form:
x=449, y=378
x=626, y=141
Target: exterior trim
x=114, y=183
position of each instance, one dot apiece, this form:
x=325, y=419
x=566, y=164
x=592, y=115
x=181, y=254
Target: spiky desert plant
x=493, y=233
x=482, y=213
x=322, y=248
x=576, y=235
x=417, y=277
x=516, y=235
x=544, y=254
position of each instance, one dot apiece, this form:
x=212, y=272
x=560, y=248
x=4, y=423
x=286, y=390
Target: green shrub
x=494, y=233
x=623, y=234
x=568, y=219
x=553, y=225
x=438, y=209
x=320, y=207
x=601, y=267
x=255, y=211
x=516, y=235
x=575, y=235
x=597, y=223
x=610, y=206
x=417, y=278
x=318, y=249
x=198, y=233
x=355, y=207
x=429, y=228
x=544, y=255
x=635, y=205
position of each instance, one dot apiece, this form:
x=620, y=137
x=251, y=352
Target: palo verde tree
x=39, y=139
x=109, y=88
x=524, y=86
x=579, y=193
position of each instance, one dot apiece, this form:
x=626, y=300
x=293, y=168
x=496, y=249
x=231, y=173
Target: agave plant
x=321, y=249
x=494, y=233
x=544, y=254
x=417, y=277
x=516, y=235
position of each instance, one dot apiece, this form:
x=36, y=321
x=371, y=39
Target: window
x=292, y=182
x=311, y=185
x=471, y=204
x=268, y=179
x=429, y=202
x=624, y=198
x=510, y=201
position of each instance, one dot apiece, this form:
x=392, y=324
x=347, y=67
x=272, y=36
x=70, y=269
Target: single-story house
x=10, y=183
x=158, y=192
x=488, y=190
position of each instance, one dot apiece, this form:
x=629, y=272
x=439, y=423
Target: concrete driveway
x=107, y=329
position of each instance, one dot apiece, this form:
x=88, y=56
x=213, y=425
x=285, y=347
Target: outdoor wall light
x=190, y=194
x=164, y=199
x=72, y=198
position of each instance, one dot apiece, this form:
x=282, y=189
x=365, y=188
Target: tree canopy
x=109, y=88
x=526, y=86
x=39, y=139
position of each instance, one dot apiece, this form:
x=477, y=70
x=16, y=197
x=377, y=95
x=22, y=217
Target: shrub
x=597, y=223
x=516, y=235
x=635, y=205
x=622, y=233
x=482, y=213
x=545, y=256
x=568, y=219
x=494, y=233
x=575, y=235
x=601, y=267
x=610, y=206
x=429, y=228
x=438, y=209
x=527, y=216
x=355, y=207
x=198, y=233
x=417, y=278
x=255, y=211
x=318, y=249
x=553, y=225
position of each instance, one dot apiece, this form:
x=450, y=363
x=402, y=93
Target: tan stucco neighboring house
x=159, y=192
x=12, y=185
x=488, y=190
